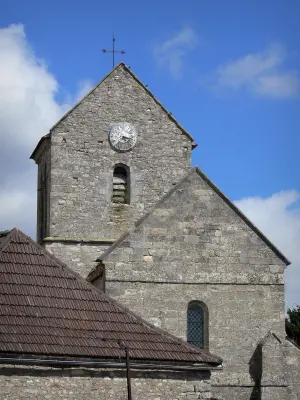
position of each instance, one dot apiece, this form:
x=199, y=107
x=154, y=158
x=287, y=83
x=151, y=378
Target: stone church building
x=158, y=243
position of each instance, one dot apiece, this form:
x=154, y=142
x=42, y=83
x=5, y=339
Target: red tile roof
x=47, y=309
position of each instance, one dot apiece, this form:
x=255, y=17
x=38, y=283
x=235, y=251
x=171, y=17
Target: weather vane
x=113, y=51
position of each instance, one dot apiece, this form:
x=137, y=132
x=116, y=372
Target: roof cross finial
x=113, y=51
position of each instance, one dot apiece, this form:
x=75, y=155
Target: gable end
x=127, y=69
x=220, y=194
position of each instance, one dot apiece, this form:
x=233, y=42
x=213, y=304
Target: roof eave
x=55, y=361
x=39, y=146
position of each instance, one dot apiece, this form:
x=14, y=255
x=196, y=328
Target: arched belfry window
x=121, y=184
x=197, y=324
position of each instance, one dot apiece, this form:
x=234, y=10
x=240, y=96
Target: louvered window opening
x=195, y=325
x=120, y=186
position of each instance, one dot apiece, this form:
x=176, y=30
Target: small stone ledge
x=195, y=282
x=60, y=239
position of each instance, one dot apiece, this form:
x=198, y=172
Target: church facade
x=119, y=203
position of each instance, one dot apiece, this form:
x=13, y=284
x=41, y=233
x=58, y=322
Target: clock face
x=122, y=136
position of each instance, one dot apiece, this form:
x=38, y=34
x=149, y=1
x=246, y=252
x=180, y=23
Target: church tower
x=103, y=165
x=189, y=262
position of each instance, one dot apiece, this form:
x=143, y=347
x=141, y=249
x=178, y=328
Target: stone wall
x=250, y=393
x=83, y=161
x=78, y=256
x=234, y=339
x=270, y=371
x=194, y=246
x=292, y=368
x=25, y=383
x=82, y=164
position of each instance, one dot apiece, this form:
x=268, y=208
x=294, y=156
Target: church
x=139, y=257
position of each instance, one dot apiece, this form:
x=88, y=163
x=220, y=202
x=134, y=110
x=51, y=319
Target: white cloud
x=171, y=53
x=285, y=85
x=278, y=217
x=27, y=91
x=84, y=87
x=263, y=74
x=28, y=109
x=18, y=202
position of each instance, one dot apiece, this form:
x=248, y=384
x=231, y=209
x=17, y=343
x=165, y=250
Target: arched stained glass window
x=197, y=328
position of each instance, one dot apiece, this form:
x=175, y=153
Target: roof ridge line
x=230, y=203
x=8, y=238
x=97, y=85
x=270, y=334
x=84, y=97
x=247, y=221
x=161, y=105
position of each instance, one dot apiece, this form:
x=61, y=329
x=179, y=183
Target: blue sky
x=248, y=144
x=228, y=71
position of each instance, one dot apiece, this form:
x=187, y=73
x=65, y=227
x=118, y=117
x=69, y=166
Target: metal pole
x=123, y=346
x=128, y=374
x=113, y=50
